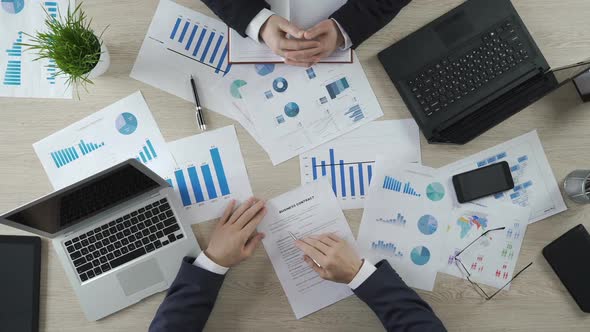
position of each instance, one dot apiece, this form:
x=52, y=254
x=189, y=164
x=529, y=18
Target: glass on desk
x=577, y=186
x=479, y=289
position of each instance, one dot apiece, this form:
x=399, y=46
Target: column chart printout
x=309, y=210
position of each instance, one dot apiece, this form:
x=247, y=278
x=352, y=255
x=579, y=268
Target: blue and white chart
x=349, y=160
x=295, y=110
x=209, y=173
x=121, y=131
x=181, y=42
x=20, y=75
x=403, y=224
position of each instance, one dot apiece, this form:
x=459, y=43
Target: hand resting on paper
x=235, y=237
x=283, y=37
x=338, y=261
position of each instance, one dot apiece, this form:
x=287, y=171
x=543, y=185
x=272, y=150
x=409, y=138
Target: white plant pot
x=103, y=63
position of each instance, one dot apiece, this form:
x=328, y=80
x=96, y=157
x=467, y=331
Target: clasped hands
x=305, y=47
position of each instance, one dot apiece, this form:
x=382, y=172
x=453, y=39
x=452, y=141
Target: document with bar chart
x=181, y=42
x=295, y=110
x=210, y=173
x=349, y=160
x=405, y=220
x=20, y=75
x=121, y=131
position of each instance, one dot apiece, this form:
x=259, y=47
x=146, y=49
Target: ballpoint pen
x=295, y=239
x=198, y=107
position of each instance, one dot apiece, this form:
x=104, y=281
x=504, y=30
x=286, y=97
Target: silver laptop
x=118, y=235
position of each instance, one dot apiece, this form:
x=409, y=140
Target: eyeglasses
x=477, y=287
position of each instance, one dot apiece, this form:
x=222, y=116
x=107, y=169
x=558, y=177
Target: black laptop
x=471, y=69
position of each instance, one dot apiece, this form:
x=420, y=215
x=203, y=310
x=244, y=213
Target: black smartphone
x=483, y=182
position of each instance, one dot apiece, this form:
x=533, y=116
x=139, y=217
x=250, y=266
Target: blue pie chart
x=280, y=85
x=126, y=123
x=427, y=225
x=264, y=69
x=13, y=6
x=420, y=255
x=291, y=110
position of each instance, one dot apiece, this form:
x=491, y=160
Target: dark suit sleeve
x=398, y=307
x=189, y=301
x=362, y=18
x=237, y=13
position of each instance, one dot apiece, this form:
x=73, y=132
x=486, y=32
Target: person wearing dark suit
x=346, y=28
x=192, y=295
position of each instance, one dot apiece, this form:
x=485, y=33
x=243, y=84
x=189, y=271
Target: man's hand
x=235, y=237
x=338, y=261
x=330, y=38
x=274, y=33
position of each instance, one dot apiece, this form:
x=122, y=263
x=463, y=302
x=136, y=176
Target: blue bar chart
x=386, y=248
x=51, y=71
x=197, y=184
x=348, y=178
x=68, y=155
x=393, y=184
x=398, y=220
x=355, y=113
x=51, y=8
x=202, y=44
x=337, y=87
x=13, y=73
x=147, y=153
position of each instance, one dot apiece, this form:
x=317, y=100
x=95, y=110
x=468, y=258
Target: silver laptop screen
x=85, y=200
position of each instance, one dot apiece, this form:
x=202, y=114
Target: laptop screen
x=85, y=200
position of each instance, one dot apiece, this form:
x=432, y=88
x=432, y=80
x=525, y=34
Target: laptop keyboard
x=441, y=85
x=123, y=240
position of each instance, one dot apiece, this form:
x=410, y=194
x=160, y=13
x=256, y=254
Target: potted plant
x=78, y=52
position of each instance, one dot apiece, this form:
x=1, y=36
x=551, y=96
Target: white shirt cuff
x=206, y=263
x=347, y=40
x=253, y=29
x=364, y=273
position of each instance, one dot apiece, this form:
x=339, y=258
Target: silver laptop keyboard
x=123, y=240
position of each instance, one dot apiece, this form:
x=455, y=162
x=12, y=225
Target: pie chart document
x=121, y=131
x=294, y=110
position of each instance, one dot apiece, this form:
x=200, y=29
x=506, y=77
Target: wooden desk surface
x=252, y=297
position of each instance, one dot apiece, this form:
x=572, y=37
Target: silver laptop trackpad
x=140, y=277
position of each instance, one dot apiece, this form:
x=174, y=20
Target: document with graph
x=534, y=182
x=181, y=42
x=20, y=75
x=121, y=131
x=348, y=161
x=209, y=173
x=295, y=109
x=404, y=221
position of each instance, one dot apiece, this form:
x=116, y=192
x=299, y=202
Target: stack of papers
x=288, y=110
x=348, y=161
x=410, y=220
x=206, y=170
x=413, y=220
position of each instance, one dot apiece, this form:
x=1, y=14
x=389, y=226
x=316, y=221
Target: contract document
x=309, y=210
